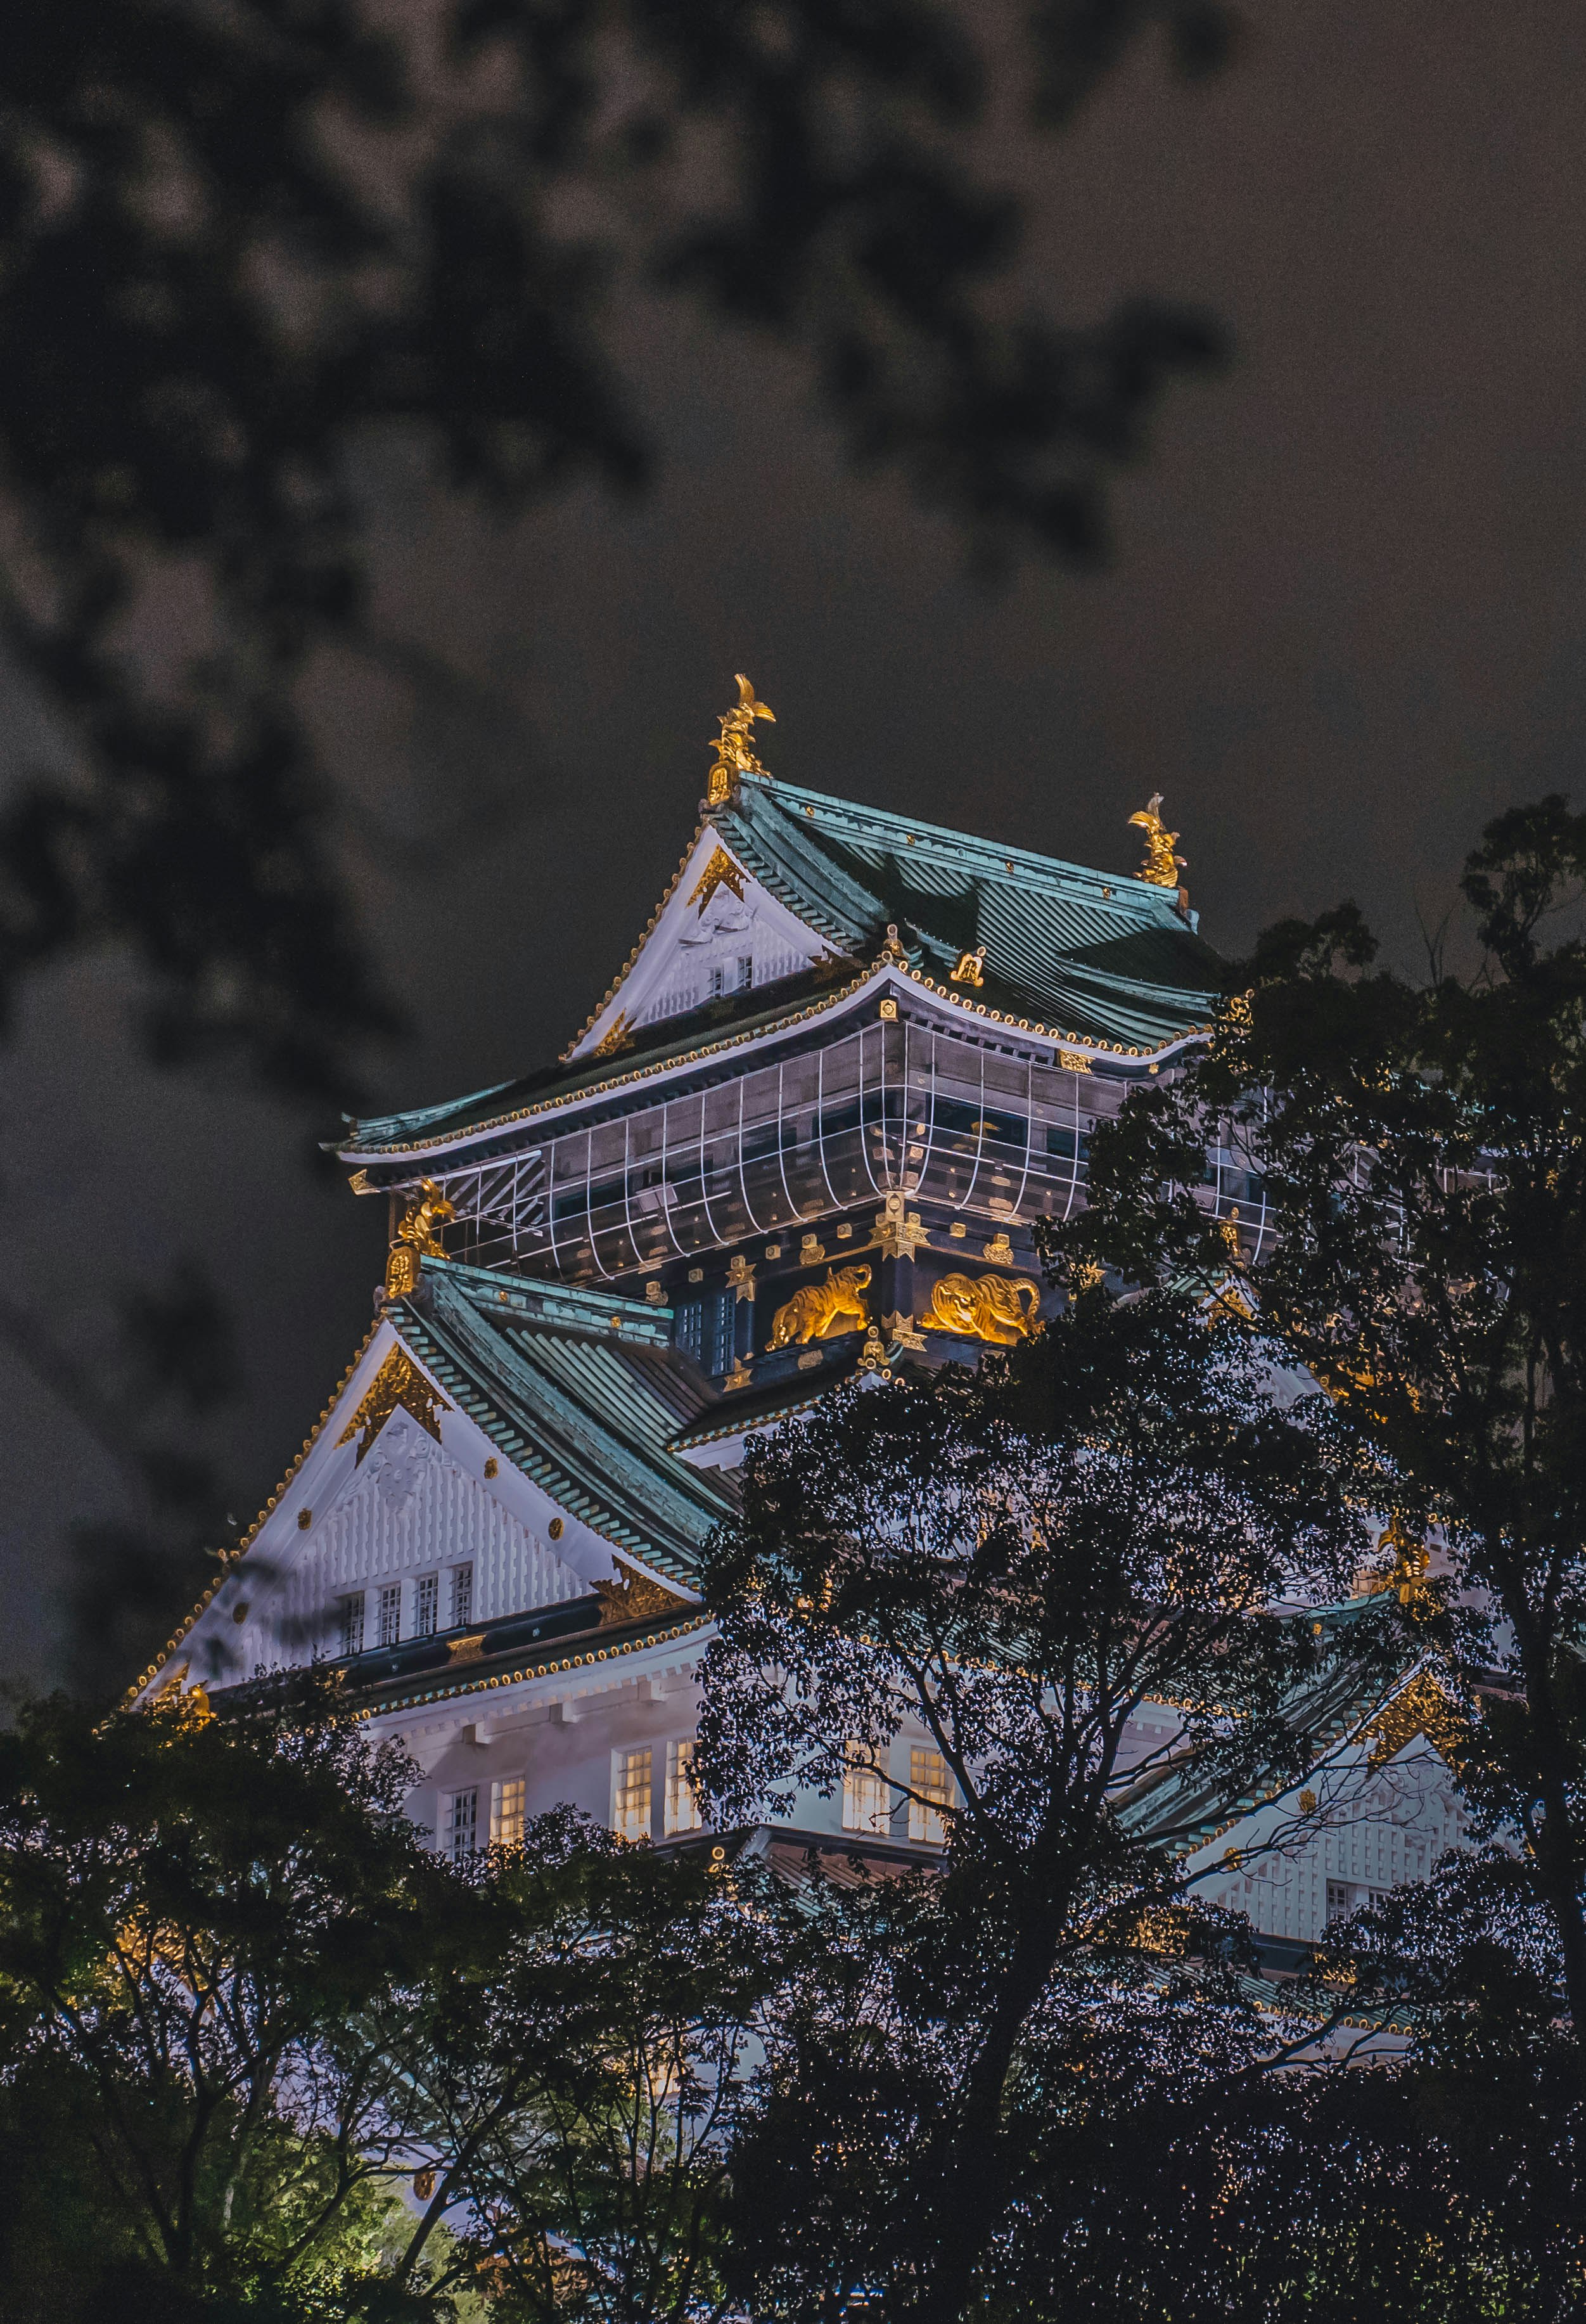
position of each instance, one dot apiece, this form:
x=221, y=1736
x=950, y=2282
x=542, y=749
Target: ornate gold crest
x=822, y=1311
x=399, y=1381
x=733, y=756
x=987, y=1308
x=1161, y=866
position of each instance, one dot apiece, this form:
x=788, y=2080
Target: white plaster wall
x=406, y=1509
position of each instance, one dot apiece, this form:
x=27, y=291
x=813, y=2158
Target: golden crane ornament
x=1161, y=866
x=733, y=756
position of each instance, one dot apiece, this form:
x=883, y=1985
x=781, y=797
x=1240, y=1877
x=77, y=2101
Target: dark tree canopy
x=244, y=247
x=1422, y=1152
x=1011, y=1565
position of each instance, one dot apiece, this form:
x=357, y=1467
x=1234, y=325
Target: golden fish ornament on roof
x=1161, y=866
x=733, y=756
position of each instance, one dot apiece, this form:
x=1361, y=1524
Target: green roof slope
x=1104, y=957
x=560, y=1397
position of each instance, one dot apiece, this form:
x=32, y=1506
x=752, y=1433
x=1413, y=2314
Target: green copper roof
x=1102, y=957
x=569, y=1407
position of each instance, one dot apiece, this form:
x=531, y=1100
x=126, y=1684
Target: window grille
x=718, y=982
x=682, y=1810
x=746, y=972
x=631, y=1809
x=506, y=1812
x=707, y=1330
x=427, y=1606
x=462, y=1595
x=932, y=1787
x=866, y=1806
x=352, y=1625
x=391, y=1614
x=462, y=1824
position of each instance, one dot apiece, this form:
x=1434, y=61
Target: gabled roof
x=1098, y=957
x=1095, y=954
x=558, y=1380
x=581, y=1393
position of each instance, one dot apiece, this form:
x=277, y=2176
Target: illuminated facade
x=810, y=1131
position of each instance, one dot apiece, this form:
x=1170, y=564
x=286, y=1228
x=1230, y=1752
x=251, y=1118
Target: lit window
x=865, y=1803
x=462, y=1824
x=352, y=1625
x=427, y=1605
x=391, y=1614
x=630, y=1808
x=462, y=1595
x=506, y=1813
x=682, y=1804
x=932, y=1787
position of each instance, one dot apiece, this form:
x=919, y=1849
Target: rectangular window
x=461, y=1828
x=1341, y=1899
x=706, y=1329
x=427, y=1605
x=462, y=1597
x=391, y=1614
x=352, y=1625
x=866, y=1805
x=682, y=1805
x=718, y=982
x=932, y=1787
x=506, y=1813
x=746, y=972
x=631, y=1806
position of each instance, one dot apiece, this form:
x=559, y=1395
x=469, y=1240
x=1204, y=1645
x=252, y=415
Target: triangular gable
x=397, y=1482
x=715, y=917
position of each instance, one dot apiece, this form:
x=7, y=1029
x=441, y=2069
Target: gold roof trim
x=229, y=1557
x=833, y=999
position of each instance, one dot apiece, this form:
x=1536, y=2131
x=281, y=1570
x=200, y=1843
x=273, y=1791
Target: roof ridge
x=1010, y=860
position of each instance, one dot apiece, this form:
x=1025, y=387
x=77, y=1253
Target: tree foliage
x=242, y=249
x=1421, y=1161
x=1007, y=1568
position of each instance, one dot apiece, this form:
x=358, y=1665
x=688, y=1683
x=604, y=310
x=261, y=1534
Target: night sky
x=1344, y=624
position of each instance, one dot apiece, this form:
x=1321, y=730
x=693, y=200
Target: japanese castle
x=807, y=1134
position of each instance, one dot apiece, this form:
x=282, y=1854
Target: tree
x=244, y=2010
x=242, y=248
x=195, y=1917
x=580, y=2077
x=1421, y=1168
x=1008, y=1566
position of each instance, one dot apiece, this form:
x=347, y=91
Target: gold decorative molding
x=1403, y=1564
x=721, y=871
x=733, y=756
x=467, y=1650
x=822, y=1311
x=633, y=1597
x=1422, y=1708
x=1074, y=1061
x=970, y=968
x=741, y=1276
x=987, y=1308
x=399, y=1381
x=899, y=1232
x=901, y=1332
x=999, y=1250
x=619, y=1036
x=1161, y=866
x=426, y=1214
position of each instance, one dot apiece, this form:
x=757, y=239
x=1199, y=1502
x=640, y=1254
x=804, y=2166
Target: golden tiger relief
x=822, y=1311
x=991, y=1309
